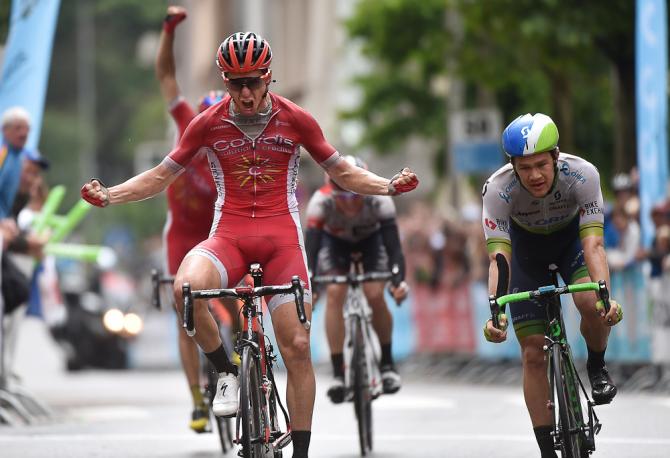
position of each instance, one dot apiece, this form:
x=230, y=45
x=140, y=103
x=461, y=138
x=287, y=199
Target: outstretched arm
x=165, y=66
x=143, y=186
x=362, y=181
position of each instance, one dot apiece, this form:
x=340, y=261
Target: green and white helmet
x=529, y=134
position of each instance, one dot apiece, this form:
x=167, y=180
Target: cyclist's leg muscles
x=535, y=381
x=335, y=297
x=206, y=267
x=375, y=259
x=287, y=260
x=334, y=258
x=382, y=320
x=293, y=341
x=529, y=325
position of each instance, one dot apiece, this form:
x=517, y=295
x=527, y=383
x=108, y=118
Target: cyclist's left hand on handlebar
x=615, y=314
x=95, y=193
x=402, y=182
x=399, y=292
x=493, y=334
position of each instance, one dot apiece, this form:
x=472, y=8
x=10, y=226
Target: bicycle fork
x=590, y=429
x=371, y=352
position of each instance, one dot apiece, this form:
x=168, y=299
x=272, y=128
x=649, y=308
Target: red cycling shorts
x=275, y=242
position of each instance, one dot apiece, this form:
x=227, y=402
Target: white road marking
x=412, y=403
x=102, y=413
x=321, y=437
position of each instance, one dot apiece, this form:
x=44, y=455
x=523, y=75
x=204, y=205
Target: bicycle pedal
x=282, y=441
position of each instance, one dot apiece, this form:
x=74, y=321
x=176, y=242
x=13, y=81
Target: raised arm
x=165, y=65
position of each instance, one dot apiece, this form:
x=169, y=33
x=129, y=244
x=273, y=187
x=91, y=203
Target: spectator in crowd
x=624, y=200
x=659, y=250
x=625, y=252
x=32, y=187
x=15, y=128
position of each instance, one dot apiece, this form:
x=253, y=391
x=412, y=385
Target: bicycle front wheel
x=569, y=430
x=250, y=406
x=362, y=395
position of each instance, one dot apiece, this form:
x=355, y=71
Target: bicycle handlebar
x=245, y=293
x=498, y=304
x=156, y=281
x=352, y=278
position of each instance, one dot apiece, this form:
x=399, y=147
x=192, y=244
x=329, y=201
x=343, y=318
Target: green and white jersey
x=576, y=190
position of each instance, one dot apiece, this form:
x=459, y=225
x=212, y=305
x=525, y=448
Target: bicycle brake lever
x=189, y=322
x=299, y=295
x=493, y=304
x=604, y=294
x=155, y=285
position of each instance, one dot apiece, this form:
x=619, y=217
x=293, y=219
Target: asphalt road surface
x=145, y=414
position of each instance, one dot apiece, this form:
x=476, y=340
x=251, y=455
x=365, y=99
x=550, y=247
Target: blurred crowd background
x=426, y=83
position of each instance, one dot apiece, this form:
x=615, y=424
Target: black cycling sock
x=545, y=441
x=220, y=360
x=338, y=364
x=300, y=441
x=596, y=359
x=387, y=356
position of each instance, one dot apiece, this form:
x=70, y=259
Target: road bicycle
x=573, y=435
x=257, y=428
x=362, y=351
x=208, y=374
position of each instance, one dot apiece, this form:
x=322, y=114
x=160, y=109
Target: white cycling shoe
x=390, y=379
x=225, y=400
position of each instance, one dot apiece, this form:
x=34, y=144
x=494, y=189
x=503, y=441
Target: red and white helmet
x=244, y=52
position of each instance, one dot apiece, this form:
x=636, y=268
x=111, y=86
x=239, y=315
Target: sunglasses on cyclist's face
x=252, y=82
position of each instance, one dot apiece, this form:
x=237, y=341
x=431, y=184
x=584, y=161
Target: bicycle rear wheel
x=250, y=406
x=223, y=425
x=362, y=396
x=569, y=431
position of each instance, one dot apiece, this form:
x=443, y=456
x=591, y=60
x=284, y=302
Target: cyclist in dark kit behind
x=340, y=222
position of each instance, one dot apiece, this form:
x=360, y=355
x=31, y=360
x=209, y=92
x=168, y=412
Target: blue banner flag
x=25, y=67
x=651, y=67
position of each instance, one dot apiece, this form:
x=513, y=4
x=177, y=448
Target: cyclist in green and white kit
x=546, y=207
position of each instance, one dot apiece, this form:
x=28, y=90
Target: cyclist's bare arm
x=362, y=181
x=595, y=258
x=164, y=66
x=143, y=186
x=596, y=262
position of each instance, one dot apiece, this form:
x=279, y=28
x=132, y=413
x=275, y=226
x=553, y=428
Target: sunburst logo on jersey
x=250, y=170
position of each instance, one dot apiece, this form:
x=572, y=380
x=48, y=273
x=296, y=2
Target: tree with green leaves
x=571, y=60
